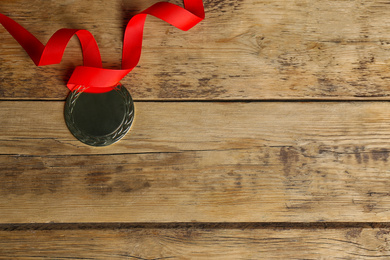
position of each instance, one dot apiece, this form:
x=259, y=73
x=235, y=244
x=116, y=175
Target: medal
x=99, y=119
x=99, y=111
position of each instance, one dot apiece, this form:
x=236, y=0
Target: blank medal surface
x=99, y=114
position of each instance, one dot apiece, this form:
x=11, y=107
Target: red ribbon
x=91, y=74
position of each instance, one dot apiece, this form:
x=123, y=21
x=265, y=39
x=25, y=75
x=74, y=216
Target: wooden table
x=261, y=133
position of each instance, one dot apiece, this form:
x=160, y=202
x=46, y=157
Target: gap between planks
x=192, y=225
x=289, y=100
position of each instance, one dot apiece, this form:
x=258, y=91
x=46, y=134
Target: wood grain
x=203, y=162
x=204, y=180
x=153, y=244
x=243, y=50
x=38, y=128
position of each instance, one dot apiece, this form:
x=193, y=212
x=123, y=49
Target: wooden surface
x=245, y=49
x=262, y=133
x=150, y=243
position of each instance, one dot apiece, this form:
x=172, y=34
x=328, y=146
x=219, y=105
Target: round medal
x=99, y=119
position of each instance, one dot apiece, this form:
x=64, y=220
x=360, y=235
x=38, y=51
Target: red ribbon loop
x=91, y=74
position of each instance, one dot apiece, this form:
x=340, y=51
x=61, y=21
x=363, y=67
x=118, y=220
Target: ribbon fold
x=91, y=74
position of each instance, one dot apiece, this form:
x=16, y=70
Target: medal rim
x=102, y=140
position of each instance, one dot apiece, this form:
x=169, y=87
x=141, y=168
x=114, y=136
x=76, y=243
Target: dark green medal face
x=99, y=119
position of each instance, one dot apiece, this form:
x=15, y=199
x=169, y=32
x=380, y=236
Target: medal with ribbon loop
x=99, y=111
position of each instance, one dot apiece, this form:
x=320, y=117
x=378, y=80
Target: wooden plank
x=38, y=128
x=204, y=162
x=243, y=50
x=193, y=186
x=153, y=244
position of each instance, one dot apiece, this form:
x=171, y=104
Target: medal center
x=99, y=114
